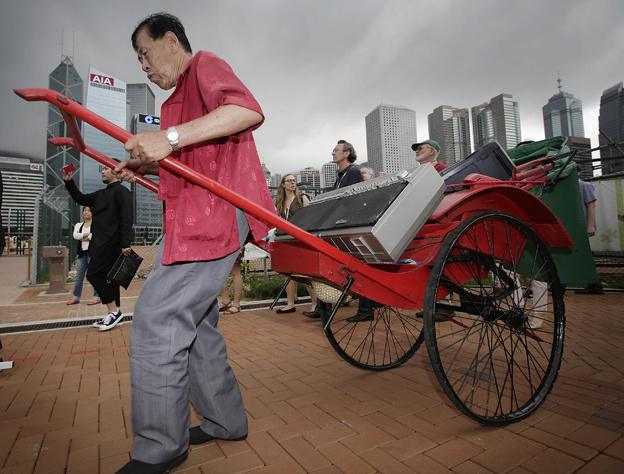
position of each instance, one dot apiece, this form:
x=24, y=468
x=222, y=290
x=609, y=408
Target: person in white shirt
x=82, y=233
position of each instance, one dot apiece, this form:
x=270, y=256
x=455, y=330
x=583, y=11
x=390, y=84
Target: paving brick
x=202, y=454
x=24, y=450
x=616, y=449
x=83, y=460
x=570, y=447
x=453, y=452
x=305, y=454
x=111, y=464
x=290, y=430
x=425, y=465
x=328, y=434
x=240, y=463
x=53, y=455
x=263, y=424
x=269, y=450
x=469, y=467
x=604, y=465
x=345, y=460
x=367, y=440
x=553, y=461
x=408, y=446
x=383, y=462
x=289, y=467
x=593, y=436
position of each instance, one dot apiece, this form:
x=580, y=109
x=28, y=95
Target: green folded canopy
x=575, y=266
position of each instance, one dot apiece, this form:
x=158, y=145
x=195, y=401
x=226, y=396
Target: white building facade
x=390, y=133
x=106, y=96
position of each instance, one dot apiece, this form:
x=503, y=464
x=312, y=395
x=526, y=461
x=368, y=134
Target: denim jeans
x=81, y=268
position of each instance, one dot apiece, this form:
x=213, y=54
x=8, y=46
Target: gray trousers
x=177, y=355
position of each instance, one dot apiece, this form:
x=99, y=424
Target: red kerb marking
x=88, y=351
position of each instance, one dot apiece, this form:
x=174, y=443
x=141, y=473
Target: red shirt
x=440, y=166
x=198, y=224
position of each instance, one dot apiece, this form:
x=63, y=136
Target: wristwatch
x=173, y=137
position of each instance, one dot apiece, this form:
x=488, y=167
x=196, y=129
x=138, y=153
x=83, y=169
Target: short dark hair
x=348, y=147
x=158, y=24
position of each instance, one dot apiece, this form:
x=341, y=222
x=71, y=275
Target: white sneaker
x=111, y=320
x=97, y=324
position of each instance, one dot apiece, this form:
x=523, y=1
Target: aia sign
x=100, y=79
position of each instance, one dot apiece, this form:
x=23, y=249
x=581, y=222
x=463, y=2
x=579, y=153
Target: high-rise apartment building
x=450, y=127
x=390, y=133
x=22, y=181
x=309, y=178
x=106, y=96
x=498, y=119
x=611, y=129
x=563, y=115
x=328, y=175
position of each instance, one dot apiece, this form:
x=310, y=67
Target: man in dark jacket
x=344, y=156
x=111, y=208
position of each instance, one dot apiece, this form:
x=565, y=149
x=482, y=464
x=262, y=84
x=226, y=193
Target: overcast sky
x=318, y=67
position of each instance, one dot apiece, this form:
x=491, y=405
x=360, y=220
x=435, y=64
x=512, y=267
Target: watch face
x=172, y=135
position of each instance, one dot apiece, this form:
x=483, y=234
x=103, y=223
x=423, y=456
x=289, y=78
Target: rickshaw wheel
x=497, y=346
x=389, y=340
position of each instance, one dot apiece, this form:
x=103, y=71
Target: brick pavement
x=65, y=407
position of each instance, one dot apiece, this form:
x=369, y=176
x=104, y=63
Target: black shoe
x=312, y=314
x=444, y=314
x=140, y=467
x=199, y=436
x=361, y=317
x=286, y=310
x=439, y=315
x=591, y=289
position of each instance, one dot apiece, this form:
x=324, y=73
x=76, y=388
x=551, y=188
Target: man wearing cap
x=427, y=152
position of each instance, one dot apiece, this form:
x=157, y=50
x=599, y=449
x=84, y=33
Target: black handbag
x=123, y=270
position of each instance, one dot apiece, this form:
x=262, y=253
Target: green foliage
x=259, y=287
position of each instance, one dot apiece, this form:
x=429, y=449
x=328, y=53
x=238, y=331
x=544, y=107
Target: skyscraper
x=450, y=127
x=611, y=129
x=390, y=133
x=147, y=207
x=66, y=80
x=57, y=212
x=328, y=174
x=106, y=96
x=498, y=119
x=140, y=100
x=563, y=115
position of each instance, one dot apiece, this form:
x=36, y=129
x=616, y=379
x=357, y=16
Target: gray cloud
x=318, y=68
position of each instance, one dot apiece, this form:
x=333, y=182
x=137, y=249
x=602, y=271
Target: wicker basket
x=326, y=293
